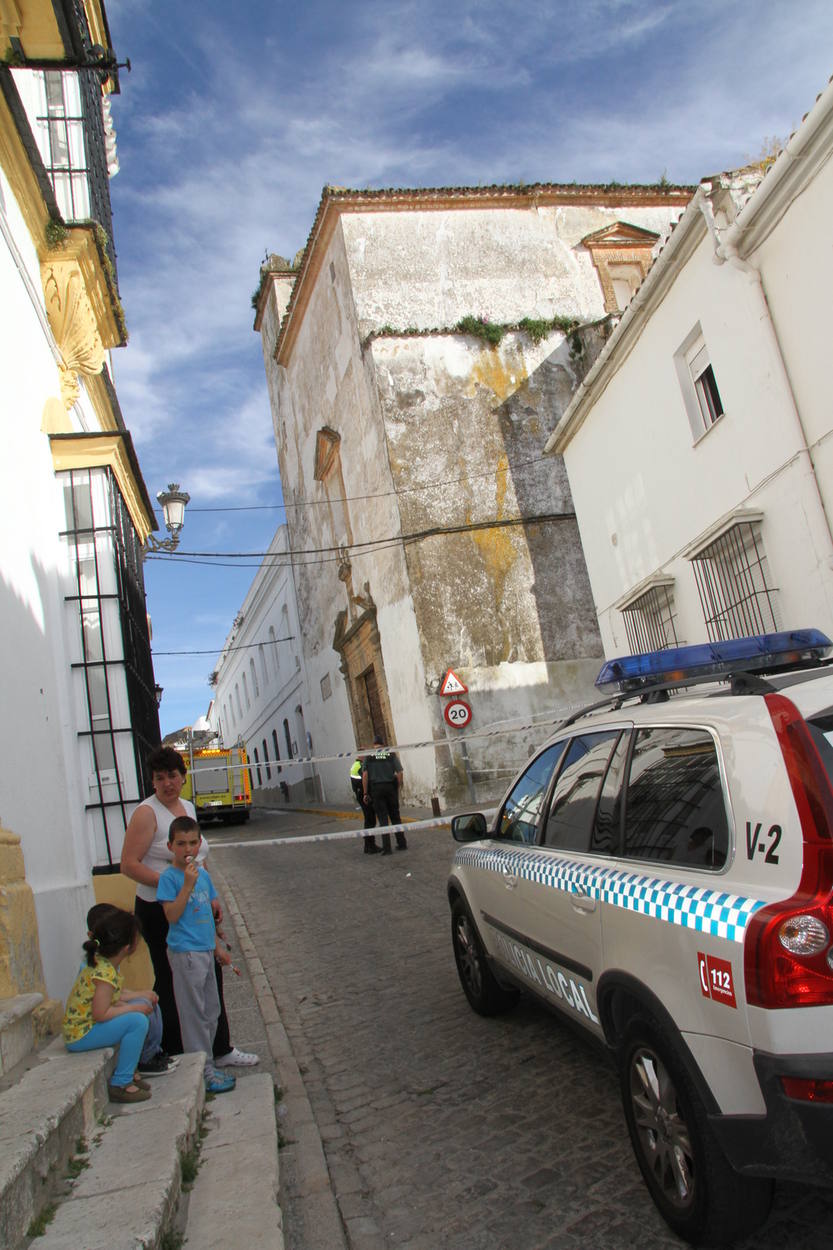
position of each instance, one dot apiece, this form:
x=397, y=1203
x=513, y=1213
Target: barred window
x=734, y=583
x=650, y=619
x=60, y=135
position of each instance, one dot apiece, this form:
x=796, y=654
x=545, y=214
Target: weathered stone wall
x=508, y=605
x=428, y=268
x=443, y=430
x=327, y=384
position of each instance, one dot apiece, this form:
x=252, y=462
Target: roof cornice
x=337, y=200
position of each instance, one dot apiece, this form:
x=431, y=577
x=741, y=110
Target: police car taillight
x=787, y=953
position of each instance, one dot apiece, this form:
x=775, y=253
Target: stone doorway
x=359, y=647
x=373, y=704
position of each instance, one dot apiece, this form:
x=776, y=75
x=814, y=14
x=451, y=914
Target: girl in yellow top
x=100, y=1012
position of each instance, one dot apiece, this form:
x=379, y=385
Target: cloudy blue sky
x=235, y=115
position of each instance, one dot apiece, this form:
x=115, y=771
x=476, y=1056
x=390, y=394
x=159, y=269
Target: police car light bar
x=682, y=666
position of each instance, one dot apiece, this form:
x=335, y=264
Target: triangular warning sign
x=452, y=684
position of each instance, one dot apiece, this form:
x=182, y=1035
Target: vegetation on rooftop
x=275, y=263
x=491, y=332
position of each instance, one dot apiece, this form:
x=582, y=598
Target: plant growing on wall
x=55, y=233
x=482, y=328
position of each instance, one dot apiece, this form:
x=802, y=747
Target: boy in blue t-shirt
x=185, y=891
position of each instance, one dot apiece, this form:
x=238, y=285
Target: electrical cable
x=385, y=494
x=376, y=544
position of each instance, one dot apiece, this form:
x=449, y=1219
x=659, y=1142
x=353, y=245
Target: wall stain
x=498, y=552
x=501, y=378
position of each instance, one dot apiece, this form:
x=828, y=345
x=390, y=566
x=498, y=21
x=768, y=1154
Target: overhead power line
x=384, y=494
x=372, y=546
x=241, y=646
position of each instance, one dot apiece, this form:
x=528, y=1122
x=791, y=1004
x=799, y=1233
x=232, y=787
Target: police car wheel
x=479, y=985
x=697, y=1192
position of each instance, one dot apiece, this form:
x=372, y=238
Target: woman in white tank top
x=144, y=857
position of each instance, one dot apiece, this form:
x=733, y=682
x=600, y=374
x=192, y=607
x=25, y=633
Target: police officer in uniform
x=370, y=847
x=381, y=780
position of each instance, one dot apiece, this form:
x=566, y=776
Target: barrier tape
x=408, y=746
x=342, y=835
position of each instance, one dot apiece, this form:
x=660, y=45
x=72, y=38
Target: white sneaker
x=237, y=1059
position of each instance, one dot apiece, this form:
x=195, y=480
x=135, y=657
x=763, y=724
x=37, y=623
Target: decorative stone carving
x=74, y=325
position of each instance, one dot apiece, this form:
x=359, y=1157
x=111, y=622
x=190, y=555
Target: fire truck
x=218, y=783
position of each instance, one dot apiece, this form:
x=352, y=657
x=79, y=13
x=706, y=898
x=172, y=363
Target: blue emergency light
x=680, y=666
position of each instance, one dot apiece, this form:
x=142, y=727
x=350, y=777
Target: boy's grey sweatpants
x=197, y=1002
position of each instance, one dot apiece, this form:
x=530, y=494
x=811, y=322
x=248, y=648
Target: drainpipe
x=726, y=250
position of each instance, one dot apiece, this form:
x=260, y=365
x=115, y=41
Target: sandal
x=127, y=1093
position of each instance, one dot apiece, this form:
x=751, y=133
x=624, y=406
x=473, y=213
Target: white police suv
x=662, y=873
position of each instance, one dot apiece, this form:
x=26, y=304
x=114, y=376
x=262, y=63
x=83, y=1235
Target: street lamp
x=173, y=501
x=158, y=691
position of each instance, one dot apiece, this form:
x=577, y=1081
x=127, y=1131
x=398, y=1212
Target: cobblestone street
x=442, y=1130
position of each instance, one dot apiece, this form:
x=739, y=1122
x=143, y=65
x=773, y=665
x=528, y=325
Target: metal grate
x=96, y=542
x=733, y=582
x=650, y=621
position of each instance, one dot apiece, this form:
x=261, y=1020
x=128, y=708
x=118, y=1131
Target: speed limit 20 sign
x=457, y=713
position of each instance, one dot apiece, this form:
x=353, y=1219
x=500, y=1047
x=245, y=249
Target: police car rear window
x=674, y=809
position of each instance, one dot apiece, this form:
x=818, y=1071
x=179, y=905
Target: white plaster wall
x=274, y=697
x=644, y=489
x=41, y=799
x=430, y=268
x=796, y=264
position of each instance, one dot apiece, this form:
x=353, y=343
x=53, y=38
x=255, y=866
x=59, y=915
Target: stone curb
x=322, y=1218
x=234, y=1200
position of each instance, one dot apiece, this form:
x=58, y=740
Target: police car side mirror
x=469, y=828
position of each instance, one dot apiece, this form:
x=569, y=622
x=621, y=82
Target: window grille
x=108, y=596
x=650, y=621
x=69, y=131
x=735, y=585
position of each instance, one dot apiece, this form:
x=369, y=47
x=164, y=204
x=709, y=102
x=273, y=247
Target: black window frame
x=676, y=864
x=616, y=731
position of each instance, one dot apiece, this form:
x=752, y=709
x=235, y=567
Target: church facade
x=418, y=357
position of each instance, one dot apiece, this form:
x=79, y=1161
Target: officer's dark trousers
x=385, y=798
x=368, y=812
x=151, y=917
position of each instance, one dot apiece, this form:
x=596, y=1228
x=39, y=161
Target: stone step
x=234, y=1200
x=129, y=1181
x=17, y=1029
x=43, y=1116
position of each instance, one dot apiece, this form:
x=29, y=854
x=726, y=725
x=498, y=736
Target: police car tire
x=485, y=995
x=723, y=1206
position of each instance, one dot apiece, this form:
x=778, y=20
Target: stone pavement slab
x=234, y=1200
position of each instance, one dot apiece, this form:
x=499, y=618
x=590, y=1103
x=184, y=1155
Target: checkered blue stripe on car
x=694, y=907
